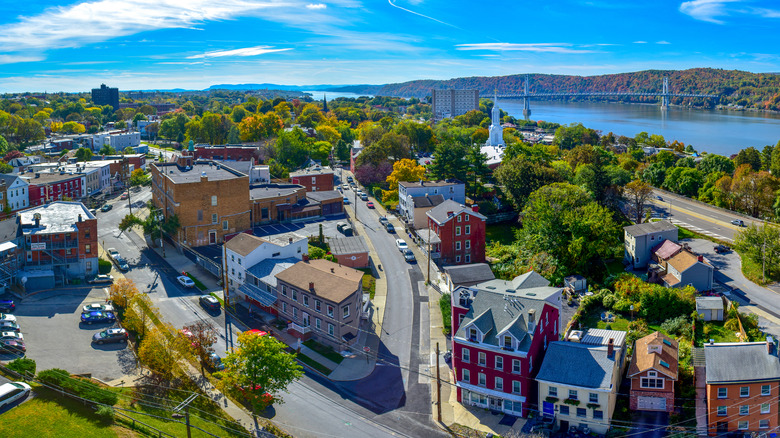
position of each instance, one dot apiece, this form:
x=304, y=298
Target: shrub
x=445, y=303
x=610, y=301
x=104, y=266
x=623, y=306
x=106, y=412
x=78, y=387
x=679, y=326
x=23, y=365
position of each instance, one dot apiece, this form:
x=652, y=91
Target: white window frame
x=465, y=355
x=743, y=425
x=723, y=411
x=744, y=410
x=552, y=391
x=499, y=362
x=331, y=329
x=723, y=393
x=468, y=229
x=482, y=380
x=482, y=358
x=744, y=391
x=765, y=408
x=457, y=231
x=466, y=375
x=517, y=366
x=517, y=387
x=768, y=389
x=345, y=312
x=498, y=384
x=457, y=245
x=213, y=200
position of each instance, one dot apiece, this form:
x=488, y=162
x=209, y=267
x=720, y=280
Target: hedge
x=78, y=387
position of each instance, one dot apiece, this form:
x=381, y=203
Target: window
x=457, y=246
x=573, y=394
x=318, y=323
x=507, y=342
x=593, y=397
x=744, y=391
x=515, y=387
x=742, y=425
x=482, y=360
x=764, y=408
x=89, y=265
x=482, y=379
x=472, y=333
x=264, y=213
x=499, y=384
x=232, y=258
x=318, y=305
x=465, y=354
x=200, y=215
x=468, y=258
x=330, y=329
x=457, y=259
x=564, y=410
x=516, y=367
x=468, y=244
x=468, y=229
x=466, y=375
x=582, y=412
x=294, y=295
x=598, y=415
x=225, y=225
x=459, y=218
x=213, y=200
x=744, y=410
x=305, y=300
x=239, y=261
x=763, y=424
x=766, y=390
x=722, y=411
x=284, y=290
x=552, y=391
x=88, y=248
x=295, y=312
x=457, y=231
x=646, y=382
x=330, y=311
x=284, y=307
x=499, y=363
x=723, y=392
x=345, y=312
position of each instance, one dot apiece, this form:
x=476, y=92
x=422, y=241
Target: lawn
x=369, y=282
x=715, y=330
x=615, y=267
x=753, y=271
x=313, y=363
x=501, y=233
x=324, y=350
x=620, y=323
x=197, y=282
x=49, y=414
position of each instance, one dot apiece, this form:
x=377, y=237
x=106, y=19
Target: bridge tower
x=526, y=100
x=665, y=95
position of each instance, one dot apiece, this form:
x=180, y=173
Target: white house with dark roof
x=451, y=189
x=640, y=239
x=14, y=192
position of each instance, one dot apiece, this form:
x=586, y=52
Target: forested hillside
x=752, y=90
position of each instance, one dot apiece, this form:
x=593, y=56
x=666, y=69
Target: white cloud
x=766, y=13
x=640, y=42
x=392, y=3
x=246, y=51
x=316, y=6
x=706, y=10
x=13, y=59
x=533, y=47
x=663, y=42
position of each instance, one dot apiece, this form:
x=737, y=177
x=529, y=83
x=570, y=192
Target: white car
x=401, y=245
x=7, y=317
x=10, y=392
x=11, y=336
x=97, y=307
x=112, y=253
x=185, y=281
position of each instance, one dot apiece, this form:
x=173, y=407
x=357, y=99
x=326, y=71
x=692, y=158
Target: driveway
x=650, y=424
x=56, y=338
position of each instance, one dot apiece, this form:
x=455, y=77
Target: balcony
x=298, y=328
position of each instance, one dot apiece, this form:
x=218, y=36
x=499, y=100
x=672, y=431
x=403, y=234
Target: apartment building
x=452, y=102
x=14, y=192
x=453, y=190
x=640, y=239
x=314, y=178
x=461, y=231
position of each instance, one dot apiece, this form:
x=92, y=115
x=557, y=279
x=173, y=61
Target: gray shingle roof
x=441, y=183
x=347, y=245
x=740, y=362
x=649, y=227
x=266, y=270
x=440, y=212
x=530, y=284
x=476, y=272
x=709, y=303
x=574, y=364
x=427, y=201
x=10, y=229
x=325, y=195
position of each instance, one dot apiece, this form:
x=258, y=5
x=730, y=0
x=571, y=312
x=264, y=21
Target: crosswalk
x=700, y=230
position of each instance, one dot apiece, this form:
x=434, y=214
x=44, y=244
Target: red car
x=267, y=398
x=257, y=332
x=370, y=204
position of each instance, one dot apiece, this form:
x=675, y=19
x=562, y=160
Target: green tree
x=5, y=167
x=637, y=193
x=762, y=245
x=716, y=163
x=749, y=156
x=139, y=177
x=258, y=366
x=138, y=117
x=654, y=174
x=666, y=158
x=83, y=154
x=291, y=149
x=567, y=137
x=449, y=162
x=520, y=177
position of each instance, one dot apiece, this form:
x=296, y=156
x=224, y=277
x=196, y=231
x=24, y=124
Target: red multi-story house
x=462, y=233
x=314, y=178
x=501, y=331
x=49, y=186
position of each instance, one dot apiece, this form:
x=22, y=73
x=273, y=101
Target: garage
x=651, y=403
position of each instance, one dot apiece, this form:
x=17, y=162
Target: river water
x=716, y=131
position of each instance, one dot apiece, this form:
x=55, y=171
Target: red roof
x=667, y=249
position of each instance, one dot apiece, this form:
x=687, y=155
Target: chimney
x=311, y=285
x=475, y=208
x=79, y=218
x=611, y=347
x=305, y=257
x=531, y=316
x=289, y=240
x=700, y=258
x=770, y=344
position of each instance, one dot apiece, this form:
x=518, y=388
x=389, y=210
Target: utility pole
x=763, y=252
x=429, y=257
x=160, y=217
x=438, y=386
x=225, y=293
x=186, y=406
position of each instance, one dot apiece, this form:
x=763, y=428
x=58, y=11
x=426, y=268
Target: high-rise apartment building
x=451, y=103
x=106, y=96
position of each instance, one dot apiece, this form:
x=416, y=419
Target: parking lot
x=56, y=338
x=304, y=228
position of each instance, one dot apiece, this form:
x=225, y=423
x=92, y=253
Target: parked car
x=7, y=306
x=350, y=179
x=346, y=201
x=97, y=307
x=209, y=302
x=112, y=253
x=344, y=228
x=102, y=279
x=11, y=392
x=93, y=211
x=409, y=256
x=10, y=346
x=738, y=222
x=345, y=186
x=121, y=263
x=216, y=361
x=364, y=197
x=106, y=207
x=384, y=221
x=98, y=317
x=11, y=336
x=390, y=228
x=659, y=198
x=7, y=317
x=370, y=204
x=185, y=281
x=9, y=326
x=111, y=335
x=124, y=196
x=401, y=245
x=721, y=249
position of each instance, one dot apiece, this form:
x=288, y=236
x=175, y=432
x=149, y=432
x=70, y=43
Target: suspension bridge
x=664, y=95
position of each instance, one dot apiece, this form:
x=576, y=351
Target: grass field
x=326, y=351
x=501, y=233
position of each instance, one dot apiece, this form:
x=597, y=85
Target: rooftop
x=655, y=351
x=266, y=270
x=209, y=169
x=709, y=303
x=427, y=201
x=473, y=273
x=9, y=229
x=667, y=249
x=530, y=284
x=267, y=191
x=441, y=183
x=602, y=337
x=347, y=245
x=740, y=362
x=332, y=281
x=649, y=227
x=47, y=177
x=575, y=364
x=245, y=243
x=448, y=209
x=312, y=170
x=57, y=217
x=683, y=261
x=324, y=195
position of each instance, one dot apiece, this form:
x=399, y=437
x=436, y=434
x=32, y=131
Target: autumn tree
x=403, y=170
x=161, y=351
x=202, y=336
x=137, y=315
x=637, y=193
x=258, y=366
x=762, y=245
x=73, y=128
x=122, y=292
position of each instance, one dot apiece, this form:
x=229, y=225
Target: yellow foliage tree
x=405, y=170
x=55, y=127
x=161, y=350
x=122, y=292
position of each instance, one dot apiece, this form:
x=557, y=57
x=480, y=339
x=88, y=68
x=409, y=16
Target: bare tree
x=636, y=193
x=202, y=337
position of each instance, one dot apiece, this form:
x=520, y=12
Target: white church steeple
x=496, y=137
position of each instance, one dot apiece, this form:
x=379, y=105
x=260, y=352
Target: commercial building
x=119, y=140
x=229, y=152
x=451, y=103
x=453, y=190
x=52, y=185
x=323, y=301
x=653, y=373
x=60, y=244
x=331, y=202
x=106, y=96
x=501, y=331
x=211, y=201
x=640, y=239
x=278, y=203
x=315, y=178
x=743, y=385
x=461, y=231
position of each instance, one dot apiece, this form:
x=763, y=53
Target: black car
x=7, y=306
x=209, y=302
x=409, y=256
x=110, y=335
x=97, y=317
x=390, y=228
x=721, y=249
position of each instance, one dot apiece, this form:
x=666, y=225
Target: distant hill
x=270, y=87
x=752, y=90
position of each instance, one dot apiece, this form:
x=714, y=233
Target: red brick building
x=500, y=333
x=226, y=152
x=48, y=186
x=653, y=373
x=314, y=178
x=462, y=233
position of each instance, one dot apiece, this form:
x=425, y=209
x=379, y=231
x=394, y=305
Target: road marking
x=699, y=230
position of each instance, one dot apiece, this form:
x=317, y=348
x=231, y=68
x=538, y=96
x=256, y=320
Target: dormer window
x=473, y=334
x=507, y=342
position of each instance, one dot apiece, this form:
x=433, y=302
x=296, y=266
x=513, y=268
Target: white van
x=10, y=392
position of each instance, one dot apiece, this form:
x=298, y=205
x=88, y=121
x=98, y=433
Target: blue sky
x=159, y=44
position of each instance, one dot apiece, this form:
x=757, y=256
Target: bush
x=610, y=301
x=78, y=387
x=104, y=266
x=445, y=303
x=106, y=412
x=679, y=326
x=23, y=365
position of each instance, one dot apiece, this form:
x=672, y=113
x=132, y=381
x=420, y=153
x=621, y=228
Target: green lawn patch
x=369, y=282
x=714, y=330
x=501, y=233
x=313, y=363
x=445, y=304
x=615, y=267
x=324, y=350
x=754, y=272
x=197, y=282
x=49, y=414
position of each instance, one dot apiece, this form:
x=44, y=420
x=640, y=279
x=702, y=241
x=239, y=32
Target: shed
x=710, y=308
x=576, y=283
x=350, y=251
